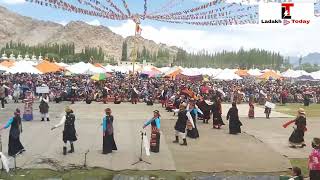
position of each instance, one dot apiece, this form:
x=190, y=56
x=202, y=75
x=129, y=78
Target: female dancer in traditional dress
x=28, y=106
x=193, y=132
x=297, y=136
x=217, y=114
x=44, y=107
x=15, y=146
x=314, y=160
x=205, y=106
x=109, y=144
x=155, y=131
x=251, y=110
x=234, y=122
x=69, y=132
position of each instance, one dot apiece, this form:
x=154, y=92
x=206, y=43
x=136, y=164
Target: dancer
x=44, y=107
x=155, y=131
x=134, y=96
x=251, y=110
x=314, y=160
x=14, y=147
x=108, y=138
x=217, y=114
x=193, y=132
x=234, y=122
x=28, y=106
x=69, y=132
x=180, y=128
x=205, y=106
x=297, y=136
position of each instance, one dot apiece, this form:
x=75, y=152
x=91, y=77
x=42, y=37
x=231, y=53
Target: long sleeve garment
x=157, y=121
x=8, y=124
x=62, y=121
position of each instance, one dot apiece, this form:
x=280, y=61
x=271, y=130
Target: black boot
x=72, y=148
x=177, y=140
x=42, y=119
x=64, y=150
x=48, y=119
x=204, y=121
x=184, y=142
x=207, y=121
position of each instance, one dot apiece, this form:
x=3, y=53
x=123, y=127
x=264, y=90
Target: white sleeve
x=199, y=110
x=190, y=119
x=63, y=120
x=46, y=100
x=175, y=110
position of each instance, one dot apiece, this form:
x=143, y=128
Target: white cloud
x=288, y=40
x=94, y=22
x=12, y=1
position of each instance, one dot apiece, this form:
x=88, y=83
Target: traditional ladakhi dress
x=181, y=124
x=193, y=132
x=314, y=164
x=155, y=134
x=234, y=121
x=108, y=139
x=44, y=108
x=217, y=115
x=251, y=110
x=28, y=107
x=205, y=107
x=297, y=136
x=14, y=146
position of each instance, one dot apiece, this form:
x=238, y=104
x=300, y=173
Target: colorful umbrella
x=99, y=77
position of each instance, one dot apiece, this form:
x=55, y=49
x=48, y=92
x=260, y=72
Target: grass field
x=102, y=174
x=311, y=111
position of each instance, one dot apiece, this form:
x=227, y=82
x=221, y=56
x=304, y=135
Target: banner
x=42, y=90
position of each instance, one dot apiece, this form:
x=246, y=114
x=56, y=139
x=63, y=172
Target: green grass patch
x=302, y=164
x=311, y=111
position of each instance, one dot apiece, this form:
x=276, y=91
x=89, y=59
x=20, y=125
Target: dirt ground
x=262, y=147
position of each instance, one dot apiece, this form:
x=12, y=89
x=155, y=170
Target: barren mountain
x=32, y=32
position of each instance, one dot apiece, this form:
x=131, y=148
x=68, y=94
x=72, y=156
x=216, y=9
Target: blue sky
x=288, y=40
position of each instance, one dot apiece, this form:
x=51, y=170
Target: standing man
x=180, y=128
x=2, y=95
x=69, y=132
x=44, y=107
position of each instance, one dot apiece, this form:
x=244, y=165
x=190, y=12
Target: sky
x=290, y=40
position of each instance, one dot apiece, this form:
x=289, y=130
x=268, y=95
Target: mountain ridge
x=17, y=28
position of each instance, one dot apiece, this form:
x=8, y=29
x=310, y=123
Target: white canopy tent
x=227, y=74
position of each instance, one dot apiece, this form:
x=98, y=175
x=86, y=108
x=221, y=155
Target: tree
x=124, y=51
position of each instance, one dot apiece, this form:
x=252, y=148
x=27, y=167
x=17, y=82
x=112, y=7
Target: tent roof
x=8, y=64
x=48, y=67
x=270, y=74
x=173, y=73
x=242, y=72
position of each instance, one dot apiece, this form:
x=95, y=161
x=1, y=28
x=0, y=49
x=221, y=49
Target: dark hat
x=107, y=110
